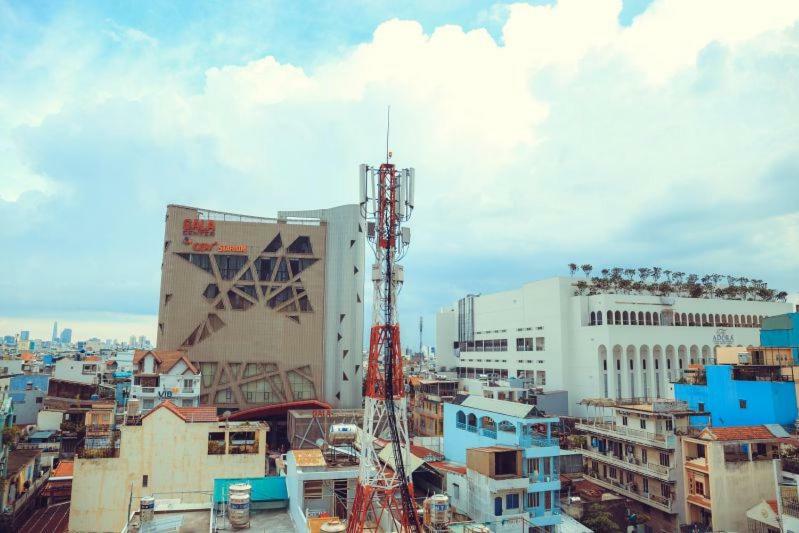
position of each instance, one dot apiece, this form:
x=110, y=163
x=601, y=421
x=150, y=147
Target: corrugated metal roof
x=502, y=407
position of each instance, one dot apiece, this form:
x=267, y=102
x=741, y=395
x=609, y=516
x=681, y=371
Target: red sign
x=195, y=226
x=202, y=246
x=235, y=248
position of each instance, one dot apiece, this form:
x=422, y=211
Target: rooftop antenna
x=388, y=130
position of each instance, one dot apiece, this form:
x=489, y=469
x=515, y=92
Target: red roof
x=64, y=469
x=165, y=359
x=739, y=433
x=187, y=414
x=773, y=505
x=422, y=452
x=446, y=466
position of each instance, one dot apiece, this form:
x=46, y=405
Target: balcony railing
x=473, y=429
x=531, y=440
x=666, y=440
x=632, y=463
x=627, y=489
x=492, y=433
x=460, y=425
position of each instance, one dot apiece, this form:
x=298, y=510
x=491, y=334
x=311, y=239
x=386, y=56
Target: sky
x=633, y=133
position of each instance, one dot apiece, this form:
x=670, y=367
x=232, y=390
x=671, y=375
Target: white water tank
x=334, y=525
x=239, y=505
x=342, y=434
x=146, y=508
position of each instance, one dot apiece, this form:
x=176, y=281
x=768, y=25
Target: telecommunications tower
x=384, y=496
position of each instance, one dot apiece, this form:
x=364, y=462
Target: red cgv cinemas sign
x=195, y=226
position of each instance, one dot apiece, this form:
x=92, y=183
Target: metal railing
x=531, y=440
x=615, y=430
x=632, y=463
x=661, y=502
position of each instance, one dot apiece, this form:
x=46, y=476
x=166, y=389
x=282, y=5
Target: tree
x=656, y=273
x=572, y=268
x=599, y=520
x=586, y=268
x=644, y=273
x=581, y=286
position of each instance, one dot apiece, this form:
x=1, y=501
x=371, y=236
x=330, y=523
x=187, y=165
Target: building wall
x=71, y=370
x=767, y=402
x=174, y=456
x=575, y=352
x=27, y=404
x=729, y=501
x=446, y=334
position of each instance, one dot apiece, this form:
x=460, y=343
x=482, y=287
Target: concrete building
x=427, y=410
x=87, y=372
x=175, y=450
x=740, y=395
x=477, y=422
x=269, y=310
x=727, y=471
x=161, y=375
x=611, y=344
x=782, y=331
x=319, y=484
x=635, y=452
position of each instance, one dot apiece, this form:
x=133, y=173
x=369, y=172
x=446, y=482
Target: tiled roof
x=502, y=407
x=773, y=505
x=738, y=433
x=166, y=359
x=187, y=414
x=64, y=469
x=446, y=466
x=422, y=452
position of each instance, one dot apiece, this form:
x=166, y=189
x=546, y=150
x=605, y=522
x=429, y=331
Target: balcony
x=658, y=502
x=531, y=440
x=699, y=499
x=492, y=433
x=665, y=473
x=608, y=429
x=500, y=484
x=697, y=463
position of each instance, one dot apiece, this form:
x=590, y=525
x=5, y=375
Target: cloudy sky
x=627, y=133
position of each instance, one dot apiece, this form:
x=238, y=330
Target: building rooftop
x=502, y=407
x=309, y=458
x=166, y=359
x=747, y=433
x=187, y=414
x=18, y=459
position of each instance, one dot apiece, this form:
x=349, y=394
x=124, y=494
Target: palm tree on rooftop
x=572, y=268
x=586, y=268
x=644, y=273
x=656, y=273
x=629, y=272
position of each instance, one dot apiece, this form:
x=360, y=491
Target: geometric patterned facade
x=245, y=297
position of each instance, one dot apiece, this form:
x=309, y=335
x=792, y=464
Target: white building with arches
x=610, y=345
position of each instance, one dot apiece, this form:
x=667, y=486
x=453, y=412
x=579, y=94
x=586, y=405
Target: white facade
x=180, y=384
x=344, y=286
x=543, y=331
x=86, y=372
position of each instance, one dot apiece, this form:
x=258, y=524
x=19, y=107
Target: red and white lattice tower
x=384, y=496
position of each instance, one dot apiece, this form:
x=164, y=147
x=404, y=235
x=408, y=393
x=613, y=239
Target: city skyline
x=518, y=118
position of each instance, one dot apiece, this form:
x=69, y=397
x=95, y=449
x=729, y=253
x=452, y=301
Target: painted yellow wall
x=174, y=456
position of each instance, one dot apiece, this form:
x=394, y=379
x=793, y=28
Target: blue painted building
x=736, y=396
x=38, y=381
x=781, y=331
x=477, y=422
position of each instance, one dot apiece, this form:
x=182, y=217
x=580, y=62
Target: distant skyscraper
x=66, y=336
x=132, y=341
x=55, y=331
x=24, y=335
x=141, y=341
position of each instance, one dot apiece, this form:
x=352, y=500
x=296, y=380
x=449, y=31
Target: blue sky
x=615, y=133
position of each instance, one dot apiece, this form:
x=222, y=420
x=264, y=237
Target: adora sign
x=722, y=337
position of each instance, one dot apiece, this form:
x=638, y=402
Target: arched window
x=471, y=420
x=599, y=318
x=737, y=320
x=677, y=320
x=640, y=318
x=592, y=321
x=625, y=318
x=460, y=417
x=633, y=319
x=648, y=318
x=716, y=320
x=655, y=319
x=507, y=426
x=724, y=320
x=704, y=319
x=684, y=319
x=610, y=317
x=691, y=321
x=487, y=422
x=617, y=316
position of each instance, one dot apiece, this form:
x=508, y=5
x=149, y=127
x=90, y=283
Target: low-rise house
x=763, y=517
x=727, y=471
x=173, y=450
x=478, y=422
x=164, y=375
x=428, y=406
x=319, y=485
x=23, y=478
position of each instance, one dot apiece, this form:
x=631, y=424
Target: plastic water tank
x=146, y=508
x=342, y=434
x=334, y=525
x=239, y=505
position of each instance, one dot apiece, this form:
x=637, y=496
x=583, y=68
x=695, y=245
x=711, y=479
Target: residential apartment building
x=727, y=471
x=270, y=310
x=164, y=375
x=427, y=414
x=611, y=344
x=478, y=422
x=174, y=452
x=635, y=452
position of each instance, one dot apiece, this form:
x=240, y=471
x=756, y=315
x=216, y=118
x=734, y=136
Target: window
x=664, y=459
x=630, y=477
x=669, y=425
x=144, y=479
x=700, y=406
x=533, y=499
x=147, y=404
x=742, y=404
x=624, y=421
x=665, y=491
x=612, y=472
x=301, y=245
x=644, y=456
x=646, y=485
x=229, y=265
x=642, y=423
x=456, y=491
x=512, y=501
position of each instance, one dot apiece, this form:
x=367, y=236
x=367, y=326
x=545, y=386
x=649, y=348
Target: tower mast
x=384, y=495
